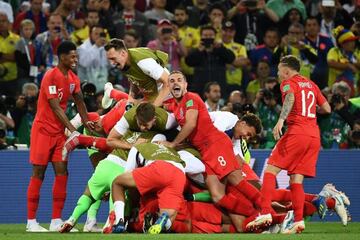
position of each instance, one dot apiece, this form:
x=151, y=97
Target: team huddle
x=167, y=164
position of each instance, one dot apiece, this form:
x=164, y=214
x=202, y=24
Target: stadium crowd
x=243, y=42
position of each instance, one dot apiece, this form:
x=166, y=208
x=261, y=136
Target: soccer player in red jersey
x=222, y=166
x=298, y=149
x=47, y=134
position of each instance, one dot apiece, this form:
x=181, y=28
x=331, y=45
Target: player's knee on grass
x=60, y=168
x=39, y=171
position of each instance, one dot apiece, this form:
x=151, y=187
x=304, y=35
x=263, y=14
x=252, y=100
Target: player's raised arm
x=165, y=90
x=60, y=114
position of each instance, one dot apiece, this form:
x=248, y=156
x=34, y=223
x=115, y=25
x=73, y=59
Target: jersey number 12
x=305, y=99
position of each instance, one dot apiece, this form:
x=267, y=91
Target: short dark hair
x=133, y=33
x=65, y=47
x=311, y=18
x=207, y=27
x=178, y=72
x=92, y=11
x=253, y=121
x=181, y=7
x=145, y=112
x=291, y=62
x=208, y=86
x=218, y=5
x=96, y=26
x=115, y=43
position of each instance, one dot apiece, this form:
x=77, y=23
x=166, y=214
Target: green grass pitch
x=314, y=231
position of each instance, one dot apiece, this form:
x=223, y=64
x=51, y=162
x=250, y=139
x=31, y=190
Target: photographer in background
x=24, y=112
x=354, y=136
x=209, y=61
x=168, y=41
x=93, y=63
x=335, y=127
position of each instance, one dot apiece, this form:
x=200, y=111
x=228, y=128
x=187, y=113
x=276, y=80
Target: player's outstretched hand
x=89, y=125
x=277, y=129
x=166, y=144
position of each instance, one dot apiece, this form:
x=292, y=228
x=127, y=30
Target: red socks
x=251, y=192
x=330, y=203
x=33, y=195
x=284, y=195
x=118, y=95
x=238, y=204
x=297, y=199
x=98, y=142
x=59, y=195
x=268, y=187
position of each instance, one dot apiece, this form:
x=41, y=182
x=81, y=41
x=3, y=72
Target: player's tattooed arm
x=287, y=105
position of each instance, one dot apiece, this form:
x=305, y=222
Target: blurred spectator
x=237, y=99
x=262, y=75
x=344, y=60
x=105, y=14
x=212, y=95
x=354, y=136
x=24, y=112
x=291, y=17
x=209, y=61
x=268, y=111
x=25, y=54
x=47, y=43
x=322, y=45
x=294, y=43
x=35, y=14
x=330, y=17
x=281, y=7
x=234, y=71
x=8, y=69
x=252, y=19
x=131, y=38
x=93, y=64
x=334, y=129
x=73, y=18
x=189, y=37
x=5, y=116
x=198, y=14
x=340, y=103
x=92, y=19
x=155, y=14
x=7, y=9
x=168, y=41
x=217, y=14
x=3, y=143
x=130, y=18
x=266, y=51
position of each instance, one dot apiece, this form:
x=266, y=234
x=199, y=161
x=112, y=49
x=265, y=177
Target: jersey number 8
x=222, y=161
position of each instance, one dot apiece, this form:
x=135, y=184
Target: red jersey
x=54, y=85
x=111, y=118
x=205, y=132
x=302, y=118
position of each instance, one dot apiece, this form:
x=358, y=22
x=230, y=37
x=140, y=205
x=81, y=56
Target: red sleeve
x=320, y=99
x=287, y=87
x=48, y=85
x=18, y=19
x=192, y=102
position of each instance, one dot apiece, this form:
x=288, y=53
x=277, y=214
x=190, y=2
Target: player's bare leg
x=119, y=184
x=33, y=195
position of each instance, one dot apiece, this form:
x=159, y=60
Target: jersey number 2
x=304, y=99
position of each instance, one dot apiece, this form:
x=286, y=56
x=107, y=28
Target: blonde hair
x=27, y=22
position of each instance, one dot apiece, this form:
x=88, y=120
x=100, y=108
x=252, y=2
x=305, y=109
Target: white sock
x=56, y=221
x=31, y=221
x=168, y=224
x=119, y=211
